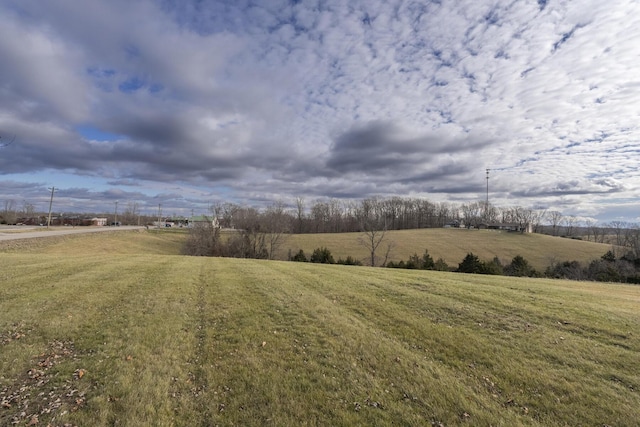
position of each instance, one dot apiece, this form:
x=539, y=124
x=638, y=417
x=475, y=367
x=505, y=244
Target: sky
x=188, y=103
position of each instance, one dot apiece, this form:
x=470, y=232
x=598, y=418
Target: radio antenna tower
x=486, y=206
x=488, y=187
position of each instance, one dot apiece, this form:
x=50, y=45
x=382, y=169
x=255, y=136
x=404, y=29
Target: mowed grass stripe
x=549, y=334
x=319, y=362
x=126, y=319
x=169, y=340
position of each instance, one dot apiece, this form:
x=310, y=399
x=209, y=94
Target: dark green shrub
x=493, y=267
x=349, y=261
x=427, y=261
x=413, y=263
x=471, y=264
x=566, y=270
x=322, y=256
x=441, y=265
x=300, y=257
x=519, y=267
x=609, y=257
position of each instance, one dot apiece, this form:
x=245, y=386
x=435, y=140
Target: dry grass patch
x=453, y=245
x=166, y=340
x=156, y=242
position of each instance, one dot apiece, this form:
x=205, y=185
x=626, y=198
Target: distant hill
x=452, y=245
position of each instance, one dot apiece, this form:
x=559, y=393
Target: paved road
x=10, y=233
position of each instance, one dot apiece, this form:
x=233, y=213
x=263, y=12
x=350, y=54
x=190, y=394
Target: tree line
x=394, y=213
x=400, y=213
x=259, y=233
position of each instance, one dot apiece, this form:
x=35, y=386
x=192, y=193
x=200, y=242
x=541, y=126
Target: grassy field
x=113, y=331
x=155, y=242
x=452, y=245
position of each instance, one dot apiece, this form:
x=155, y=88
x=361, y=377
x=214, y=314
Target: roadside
x=26, y=232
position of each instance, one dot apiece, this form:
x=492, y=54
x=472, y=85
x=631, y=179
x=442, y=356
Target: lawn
x=93, y=338
x=452, y=245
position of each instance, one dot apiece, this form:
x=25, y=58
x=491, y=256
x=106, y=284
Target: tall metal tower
x=488, y=187
x=486, y=206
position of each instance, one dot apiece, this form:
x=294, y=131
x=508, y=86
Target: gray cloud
x=327, y=99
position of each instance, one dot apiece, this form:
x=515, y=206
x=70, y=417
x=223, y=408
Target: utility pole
x=50, y=204
x=159, y=213
x=115, y=220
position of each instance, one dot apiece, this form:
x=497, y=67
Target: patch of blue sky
x=131, y=85
x=102, y=77
x=92, y=133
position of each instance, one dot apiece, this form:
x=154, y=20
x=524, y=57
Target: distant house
x=454, y=224
x=508, y=226
x=176, y=221
x=205, y=220
x=100, y=222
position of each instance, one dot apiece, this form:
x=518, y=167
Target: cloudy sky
x=188, y=103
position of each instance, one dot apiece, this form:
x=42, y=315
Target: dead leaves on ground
x=17, y=331
x=34, y=397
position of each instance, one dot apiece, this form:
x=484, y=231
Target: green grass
x=157, y=242
x=171, y=340
x=452, y=245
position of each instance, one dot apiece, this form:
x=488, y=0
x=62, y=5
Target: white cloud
x=400, y=97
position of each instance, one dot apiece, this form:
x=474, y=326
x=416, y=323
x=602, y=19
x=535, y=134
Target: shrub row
x=606, y=269
x=322, y=256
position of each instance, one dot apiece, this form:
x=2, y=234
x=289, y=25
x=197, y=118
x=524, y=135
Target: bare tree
x=28, y=209
x=226, y=214
x=472, y=213
x=203, y=240
x=632, y=238
x=372, y=238
x=276, y=227
x=536, y=220
x=445, y=212
x=300, y=213
x=374, y=229
x=490, y=212
x=571, y=223
x=524, y=218
x=618, y=228
x=131, y=212
x=335, y=216
x=555, y=219
x=9, y=212
x=593, y=229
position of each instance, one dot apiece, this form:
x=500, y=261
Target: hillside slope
x=100, y=339
x=452, y=245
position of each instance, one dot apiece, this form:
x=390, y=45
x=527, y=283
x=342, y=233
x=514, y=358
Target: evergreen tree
x=471, y=264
